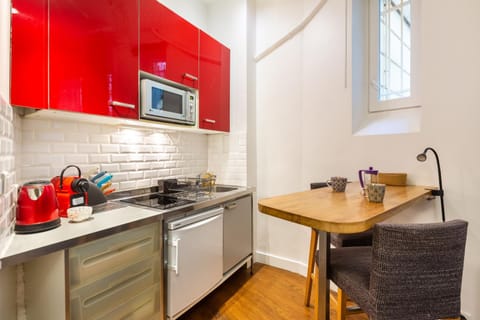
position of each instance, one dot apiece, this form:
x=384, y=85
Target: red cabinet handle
x=190, y=76
x=210, y=120
x=122, y=104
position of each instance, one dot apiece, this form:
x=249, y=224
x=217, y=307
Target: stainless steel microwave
x=164, y=102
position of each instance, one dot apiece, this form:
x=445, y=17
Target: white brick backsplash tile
x=163, y=172
x=88, y=148
x=36, y=124
x=64, y=126
x=31, y=147
x=119, y=157
x=45, y=159
x=176, y=156
x=126, y=137
x=36, y=172
x=90, y=128
x=158, y=149
x=135, y=157
x=144, y=183
x=157, y=165
x=27, y=135
x=63, y=147
x=150, y=157
x=99, y=158
x=144, y=165
x=135, y=175
x=110, y=148
x=129, y=148
x=176, y=172
x=170, y=164
x=119, y=176
x=144, y=149
x=128, y=166
x=76, y=158
x=151, y=173
x=170, y=149
x=163, y=156
x=110, y=167
x=127, y=185
x=53, y=136
x=99, y=138
x=77, y=137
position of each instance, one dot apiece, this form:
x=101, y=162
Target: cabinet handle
x=122, y=104
x=210, y=120
x=174, y=244
x=190, y=76
x=230, y=206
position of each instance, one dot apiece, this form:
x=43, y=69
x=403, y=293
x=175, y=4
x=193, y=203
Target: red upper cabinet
x=29, y=56
x=168, y=44
x=94, y=57
x=214, y=90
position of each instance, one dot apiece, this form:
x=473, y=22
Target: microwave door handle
x=190, y=76
x=122, y=104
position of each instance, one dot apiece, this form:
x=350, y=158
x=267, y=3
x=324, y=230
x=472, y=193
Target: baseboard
x=286, y=264
x=281, y=262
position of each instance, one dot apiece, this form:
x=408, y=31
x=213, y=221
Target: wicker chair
x=412, y=271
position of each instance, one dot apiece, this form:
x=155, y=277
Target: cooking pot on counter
x=37, y=207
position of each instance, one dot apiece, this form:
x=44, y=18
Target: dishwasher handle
x=193, y=219
x=174, y=244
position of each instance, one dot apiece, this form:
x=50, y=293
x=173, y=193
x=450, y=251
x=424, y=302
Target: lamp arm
x=440, y=192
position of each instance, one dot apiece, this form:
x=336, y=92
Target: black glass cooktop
x=157, y=201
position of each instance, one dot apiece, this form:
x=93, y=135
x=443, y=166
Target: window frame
x=374, y=104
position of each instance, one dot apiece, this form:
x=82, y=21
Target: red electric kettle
x=37, y=207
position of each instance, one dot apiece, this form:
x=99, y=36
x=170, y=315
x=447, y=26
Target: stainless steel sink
x=224, y=189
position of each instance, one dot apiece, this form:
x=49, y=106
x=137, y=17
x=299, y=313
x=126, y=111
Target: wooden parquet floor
x=269, y=294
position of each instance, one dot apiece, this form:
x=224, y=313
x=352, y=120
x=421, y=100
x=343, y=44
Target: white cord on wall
x=292, y=33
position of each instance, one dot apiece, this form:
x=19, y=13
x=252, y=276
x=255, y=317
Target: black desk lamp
x=422, y=157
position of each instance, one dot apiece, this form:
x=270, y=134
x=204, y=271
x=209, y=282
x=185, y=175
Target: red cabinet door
x=29, y=55
x=214, y=88
x=168, y=44
x=94, y=57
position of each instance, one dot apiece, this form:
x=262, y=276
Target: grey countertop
x=115, y=218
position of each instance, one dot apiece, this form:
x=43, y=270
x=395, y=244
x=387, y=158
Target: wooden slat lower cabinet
x=116, y=277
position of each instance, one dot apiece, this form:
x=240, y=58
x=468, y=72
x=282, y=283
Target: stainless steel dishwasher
x=195, y=259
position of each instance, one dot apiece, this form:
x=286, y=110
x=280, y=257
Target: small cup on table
x=376, y=192
x=338, y=184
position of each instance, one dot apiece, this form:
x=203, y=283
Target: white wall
x=304, y=120
x=193, y=11
x=227, y=156
x=8, y=276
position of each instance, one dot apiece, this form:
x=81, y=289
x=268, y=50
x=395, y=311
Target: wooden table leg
x=323, y=284
x=311, y=266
